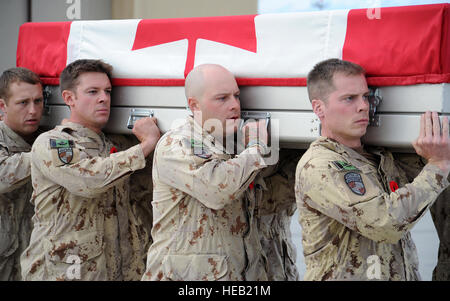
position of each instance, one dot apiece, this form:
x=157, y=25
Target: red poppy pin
x=393, y=185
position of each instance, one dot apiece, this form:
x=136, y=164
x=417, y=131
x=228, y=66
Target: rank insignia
x=355, y=183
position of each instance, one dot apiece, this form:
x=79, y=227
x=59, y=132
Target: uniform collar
x=331, y=144
x=81, y=131
x=339, y=148
x=15, y=139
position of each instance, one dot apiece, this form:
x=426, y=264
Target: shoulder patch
x=199, y=149
x=64, y=149
x=355, y=183
x=65, y=154
x=344, y=166
x=196, y=144
x=61, y=143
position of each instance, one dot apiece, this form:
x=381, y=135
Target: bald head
x=213, y=96
x=198, y=79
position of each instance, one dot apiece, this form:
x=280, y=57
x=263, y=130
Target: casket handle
x=136, y=114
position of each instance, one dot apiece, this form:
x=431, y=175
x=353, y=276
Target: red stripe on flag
x=410, y=42
x=148, y=82
x=180, y=82
x=409, y=80
x=167, y=82
x=42, y=47
x=276, y=82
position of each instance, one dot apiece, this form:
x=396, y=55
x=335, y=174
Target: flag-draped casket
x=405, y=51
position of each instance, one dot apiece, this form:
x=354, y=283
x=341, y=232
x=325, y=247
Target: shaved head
x=212, y=96
x=197, y=79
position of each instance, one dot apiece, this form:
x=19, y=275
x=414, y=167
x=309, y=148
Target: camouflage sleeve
x=213, y=181
x=375, y=214
x=85, y=176
x=14, y=170
x=279, y=193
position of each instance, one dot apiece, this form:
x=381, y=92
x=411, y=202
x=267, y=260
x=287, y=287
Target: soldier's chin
x=102, y=123
x=29, y=129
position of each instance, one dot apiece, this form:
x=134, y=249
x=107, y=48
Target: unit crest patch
x=64, y=148
x=355, y=183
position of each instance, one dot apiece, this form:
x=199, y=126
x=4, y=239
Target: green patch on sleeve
x=342, y=165
x=60, y=143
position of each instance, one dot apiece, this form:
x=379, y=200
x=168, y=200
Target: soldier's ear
x=3, y=105
x=193, y=104
x=68, y=97
x=318, y=107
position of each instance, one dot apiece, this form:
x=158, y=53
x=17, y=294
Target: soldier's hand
x=433, y=142
x=148, y=133
x=255, y=132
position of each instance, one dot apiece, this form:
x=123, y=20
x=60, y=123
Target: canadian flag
x=402, y=46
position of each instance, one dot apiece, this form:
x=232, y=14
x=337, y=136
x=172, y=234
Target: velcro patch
x=344, y=166
x=355, y=183
x=61, y=143
x=199, y=149
x=63, y=151
x=65, y=154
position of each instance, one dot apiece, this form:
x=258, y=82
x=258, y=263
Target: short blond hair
x=320, y=78
x=14, y=75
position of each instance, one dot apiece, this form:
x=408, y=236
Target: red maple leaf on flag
x=237, y=31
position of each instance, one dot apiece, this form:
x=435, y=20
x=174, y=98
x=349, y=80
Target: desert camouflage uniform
x=141, y=193
x=275, y=215
x=83, y=214
x=15, y=207
x=349, y=213
x=412, y=164
x=204, y=226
